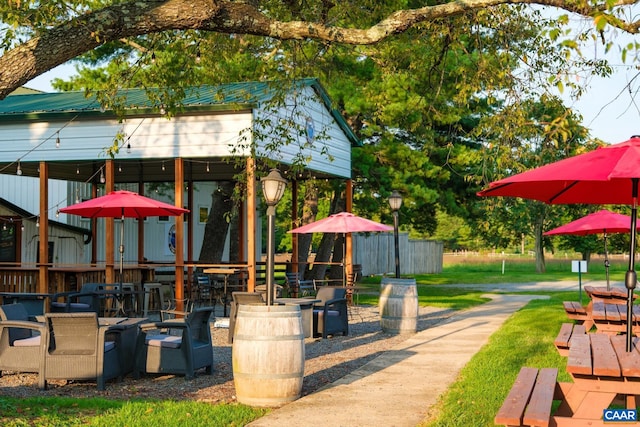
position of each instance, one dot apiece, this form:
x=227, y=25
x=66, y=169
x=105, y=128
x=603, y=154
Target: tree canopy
x=37, y=36
x=442, y=95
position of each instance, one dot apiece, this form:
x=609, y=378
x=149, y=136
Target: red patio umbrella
x=121, y=204
x=342, y=222
x=607, y=175
x=601, y=222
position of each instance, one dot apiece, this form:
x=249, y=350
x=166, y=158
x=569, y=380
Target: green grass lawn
x=526, y=339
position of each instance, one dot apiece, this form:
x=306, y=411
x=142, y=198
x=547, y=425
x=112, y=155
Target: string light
x=21, y=226
x=119, y=168
x=102, y=179
x=162, y=110
x=77, y=195
x=77, y=169
x=18, y=169
x=58, y=140
x=153, y=57
x=37, y=221
x=163, y=166
x=198, y=59
x=57, y=213
x=207, y=166
x=128, y=148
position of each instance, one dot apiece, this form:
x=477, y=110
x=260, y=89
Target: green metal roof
x=226, y=97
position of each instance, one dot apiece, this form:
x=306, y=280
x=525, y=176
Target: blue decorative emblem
x=310, y=130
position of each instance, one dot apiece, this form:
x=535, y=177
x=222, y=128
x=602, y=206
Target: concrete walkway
x=399, y=387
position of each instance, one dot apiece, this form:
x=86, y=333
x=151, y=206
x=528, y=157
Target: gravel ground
x=326, y=361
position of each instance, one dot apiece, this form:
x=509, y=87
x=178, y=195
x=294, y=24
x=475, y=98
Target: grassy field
x=526, y=339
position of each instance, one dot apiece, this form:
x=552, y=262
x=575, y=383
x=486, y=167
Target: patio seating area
x=100, y=333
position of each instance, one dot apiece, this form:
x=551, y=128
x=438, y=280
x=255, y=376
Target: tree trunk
x=215, y=231
x=234, y=232
x=328, y=242
x=309, y=214
x=539, y=245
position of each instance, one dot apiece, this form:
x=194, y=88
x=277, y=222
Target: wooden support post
x=43, y=232
x=348, y=261
x=294, y=224
x=179, y=186
x=251, y=224
x=109, y=235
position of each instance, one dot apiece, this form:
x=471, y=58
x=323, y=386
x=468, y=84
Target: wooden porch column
x=294, y=224
x=43, y=232
x=251, y=224
x=109, y=227
x=179, y=183
x=141, y=221
x=94, y=231
x=190, y=237
x=349, y=240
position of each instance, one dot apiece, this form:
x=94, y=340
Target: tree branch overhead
x=85, y=32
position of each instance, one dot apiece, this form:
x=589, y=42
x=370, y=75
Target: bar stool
x=156, y=288
x=130, y=301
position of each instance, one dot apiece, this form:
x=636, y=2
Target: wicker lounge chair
x=21, y=341
x=77, y=349
x=330, y=316
x=87, y=300
x=159, y=350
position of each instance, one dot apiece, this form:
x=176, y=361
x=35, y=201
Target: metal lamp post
x=395, y=201
x=273, y=186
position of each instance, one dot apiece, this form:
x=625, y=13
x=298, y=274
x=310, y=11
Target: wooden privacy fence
x=376, y=254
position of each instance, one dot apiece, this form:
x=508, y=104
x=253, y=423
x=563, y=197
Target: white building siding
x=329, y=150
x=24, y=192
x=211, y=135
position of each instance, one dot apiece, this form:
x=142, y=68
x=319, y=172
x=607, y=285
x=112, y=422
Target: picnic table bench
x=612, y=318
x=575, y=311
x=603, y=372
x=563, y=340
x=611, y=296
x=530, y=399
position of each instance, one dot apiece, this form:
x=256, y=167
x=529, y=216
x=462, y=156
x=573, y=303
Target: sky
x=606, y=106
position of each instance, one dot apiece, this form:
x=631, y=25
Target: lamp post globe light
x=395, y=202
x=273, y=186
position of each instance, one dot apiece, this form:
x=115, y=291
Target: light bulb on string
x=21, y=226
x=58, y=140
x=153, y=57
x=77, y=169
x=128, y=148
x=163, y=166
x=102, y=178
x=37, y=221
x=119, y=168
x=18, y=169
x=198, y=59
x=207, y=166
x=57, y=213
x=77, y=195
x=4, y=226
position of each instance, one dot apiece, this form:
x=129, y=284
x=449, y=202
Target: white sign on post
x=578, y=266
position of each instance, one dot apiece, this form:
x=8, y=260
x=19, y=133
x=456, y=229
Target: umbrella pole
x=630, y=277
x=606, y=261
x=121, y=248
